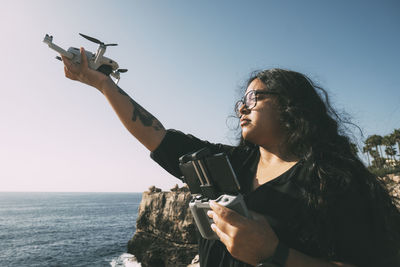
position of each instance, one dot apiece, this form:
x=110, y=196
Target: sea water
x=67, y=229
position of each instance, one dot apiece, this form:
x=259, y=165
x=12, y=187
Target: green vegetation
x=381, y=163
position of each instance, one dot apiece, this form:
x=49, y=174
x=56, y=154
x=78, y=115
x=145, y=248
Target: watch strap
x=278, y=259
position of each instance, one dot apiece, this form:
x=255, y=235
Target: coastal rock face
x=165, y=230
x=392, y=182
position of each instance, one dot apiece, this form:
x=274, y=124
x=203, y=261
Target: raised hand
x=81, y=72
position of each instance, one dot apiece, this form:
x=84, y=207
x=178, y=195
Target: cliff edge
x=165, y=231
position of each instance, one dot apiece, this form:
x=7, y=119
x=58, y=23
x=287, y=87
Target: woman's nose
x=243, y=109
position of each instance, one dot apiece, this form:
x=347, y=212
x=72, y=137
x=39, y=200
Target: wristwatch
x=278, y=259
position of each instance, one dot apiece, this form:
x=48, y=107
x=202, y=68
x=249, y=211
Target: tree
x=391, y=151
x=396, y=138
x=374, y=154
x=367, y=150
x=378, y=162
x=389, y=142
x=374, y=141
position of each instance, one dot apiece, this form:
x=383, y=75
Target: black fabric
x=280, y=200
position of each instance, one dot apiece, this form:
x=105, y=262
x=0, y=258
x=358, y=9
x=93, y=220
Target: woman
x=314, y=202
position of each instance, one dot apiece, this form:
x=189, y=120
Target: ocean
x=67, y=229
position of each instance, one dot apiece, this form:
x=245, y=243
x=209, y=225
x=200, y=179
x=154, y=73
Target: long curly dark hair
x=315, y=134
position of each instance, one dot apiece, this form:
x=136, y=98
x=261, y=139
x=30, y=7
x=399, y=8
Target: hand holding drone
x=96, y=61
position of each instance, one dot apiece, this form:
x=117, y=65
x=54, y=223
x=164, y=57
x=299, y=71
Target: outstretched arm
x=139, y=122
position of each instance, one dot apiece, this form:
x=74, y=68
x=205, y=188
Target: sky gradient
x=187, y=61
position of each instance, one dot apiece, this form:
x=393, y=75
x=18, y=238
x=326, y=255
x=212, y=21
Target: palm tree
x=374, y=154
x=367, y=150
x=389, y=142
x=396, y=138
x=391, y=151
x=377, y=161
x=374, y=141
x=379, y=139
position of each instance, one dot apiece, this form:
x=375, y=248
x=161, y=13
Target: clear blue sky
x=186, y=61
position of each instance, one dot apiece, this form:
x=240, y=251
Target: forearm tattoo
x=145, y=117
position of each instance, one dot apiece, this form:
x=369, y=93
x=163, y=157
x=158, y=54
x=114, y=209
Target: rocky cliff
x=392, y=182
x=165, y=230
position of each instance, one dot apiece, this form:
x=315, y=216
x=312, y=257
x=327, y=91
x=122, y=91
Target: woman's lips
x=244, y=122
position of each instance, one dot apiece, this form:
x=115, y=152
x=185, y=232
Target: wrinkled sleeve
x=176, y=144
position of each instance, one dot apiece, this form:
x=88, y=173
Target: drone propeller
x=122, y=70
x=94, y=40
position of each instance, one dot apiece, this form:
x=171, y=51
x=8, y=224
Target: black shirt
x=281, y=201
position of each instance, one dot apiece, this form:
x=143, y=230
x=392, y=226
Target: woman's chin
x=247, y=135
x=253, y=136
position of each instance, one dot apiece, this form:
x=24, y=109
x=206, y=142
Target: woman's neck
x=275, y=154
x=272, y=163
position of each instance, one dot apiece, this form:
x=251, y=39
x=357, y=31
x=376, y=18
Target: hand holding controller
x=210, y=177
x=199, y=207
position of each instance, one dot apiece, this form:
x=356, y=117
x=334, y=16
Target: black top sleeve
x=176, y=144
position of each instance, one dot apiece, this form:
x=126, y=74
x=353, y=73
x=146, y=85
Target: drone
x=95, y=61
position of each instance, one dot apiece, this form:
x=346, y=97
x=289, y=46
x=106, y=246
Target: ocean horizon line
x=71, y=192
